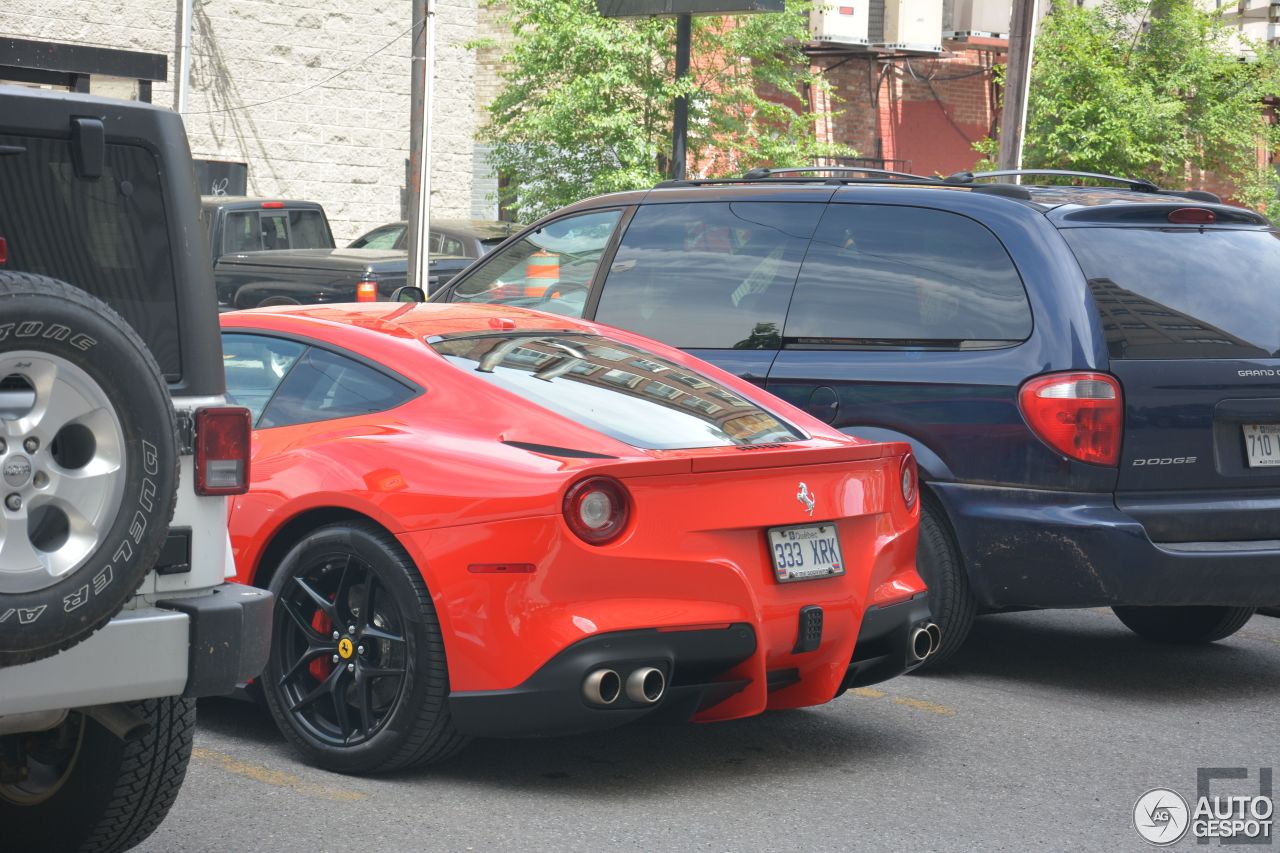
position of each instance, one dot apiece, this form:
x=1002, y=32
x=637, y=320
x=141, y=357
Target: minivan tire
x=61, y=347
x=950, y=597
x=1187, y=625
x=111, y=793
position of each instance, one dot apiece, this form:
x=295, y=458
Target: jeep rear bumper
x=1040, y=548
x=199, y=646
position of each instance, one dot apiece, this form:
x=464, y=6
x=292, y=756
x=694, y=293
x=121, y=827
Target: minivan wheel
x=357, y=678
x=950, y=596
x=1189, y=625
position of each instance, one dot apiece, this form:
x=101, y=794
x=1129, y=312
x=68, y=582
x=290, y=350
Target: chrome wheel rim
x=62, y=471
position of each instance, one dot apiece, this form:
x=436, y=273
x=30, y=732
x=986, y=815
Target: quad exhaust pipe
x=602, y=687
x=644, y=686
x=925, y=640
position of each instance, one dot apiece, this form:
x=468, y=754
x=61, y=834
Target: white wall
x=343, y=142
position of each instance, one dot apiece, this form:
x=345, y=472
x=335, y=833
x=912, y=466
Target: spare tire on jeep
x=88, y=465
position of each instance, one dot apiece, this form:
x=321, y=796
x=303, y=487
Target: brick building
x=912, y=113
x=313, y=98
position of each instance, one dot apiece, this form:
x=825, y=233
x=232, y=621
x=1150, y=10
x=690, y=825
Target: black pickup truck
x=310, y=276
x=241, y=224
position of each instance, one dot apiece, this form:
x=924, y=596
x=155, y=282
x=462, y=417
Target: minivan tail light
x=1081, y=415
x=366, y=291
x=222, y=450
x=597, y=509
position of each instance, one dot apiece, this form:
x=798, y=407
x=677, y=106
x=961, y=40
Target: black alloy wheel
x=357, y=677
x=344, y=646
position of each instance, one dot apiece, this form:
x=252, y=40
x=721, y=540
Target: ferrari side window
x=255, y=366
x=323, y=386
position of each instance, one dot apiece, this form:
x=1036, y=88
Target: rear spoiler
x=752, y=456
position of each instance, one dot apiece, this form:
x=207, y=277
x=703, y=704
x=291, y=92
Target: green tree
x=586, y=103
x=1153, y=90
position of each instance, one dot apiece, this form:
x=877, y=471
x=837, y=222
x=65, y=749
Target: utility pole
x=182, y=83
x=1017, y=82
x=424, y=33
x=680, y=129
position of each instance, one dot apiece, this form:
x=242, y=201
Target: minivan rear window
x=1183, y=292
x=107, y=235
x=616, y=389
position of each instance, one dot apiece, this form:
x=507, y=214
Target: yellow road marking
x=922, y=705
x=918, y=704
x=279, y=779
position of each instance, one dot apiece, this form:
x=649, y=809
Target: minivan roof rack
x=766, y=172
x=1134, y=183
x=810, y=175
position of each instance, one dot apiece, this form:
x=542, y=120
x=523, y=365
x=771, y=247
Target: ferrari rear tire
x=1186, y=625
x=357, y=678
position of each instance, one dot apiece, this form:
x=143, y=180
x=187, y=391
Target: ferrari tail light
x=909, y=477
x=366, y=291
x=597, y=509
x=222, y=450
x=1081, y=415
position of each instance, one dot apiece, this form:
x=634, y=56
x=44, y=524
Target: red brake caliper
x=321, y=667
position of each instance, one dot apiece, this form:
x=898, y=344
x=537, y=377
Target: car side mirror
x=408, y=293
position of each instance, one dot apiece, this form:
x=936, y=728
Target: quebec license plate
x=1262, y=444
x=805, y=551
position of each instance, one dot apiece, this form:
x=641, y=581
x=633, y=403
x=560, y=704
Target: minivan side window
x=550, y=269
x=708, y=275
x=906, y=277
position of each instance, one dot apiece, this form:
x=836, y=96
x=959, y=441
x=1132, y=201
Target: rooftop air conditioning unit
x=980, y=18
x=913, y=25
x=839, y=22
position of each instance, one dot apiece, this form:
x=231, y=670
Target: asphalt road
x=1041, y=735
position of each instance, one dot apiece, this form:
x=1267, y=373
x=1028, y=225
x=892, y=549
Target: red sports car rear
x=485, y=521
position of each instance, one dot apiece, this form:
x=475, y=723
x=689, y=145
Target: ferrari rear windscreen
x=617, y=389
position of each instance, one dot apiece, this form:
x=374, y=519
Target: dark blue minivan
x=1090, y=376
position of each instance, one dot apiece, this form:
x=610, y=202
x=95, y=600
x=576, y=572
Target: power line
x=317, y=84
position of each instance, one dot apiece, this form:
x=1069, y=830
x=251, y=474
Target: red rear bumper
x=688, y=566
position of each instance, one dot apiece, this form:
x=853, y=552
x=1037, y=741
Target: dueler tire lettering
x=52, y=318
